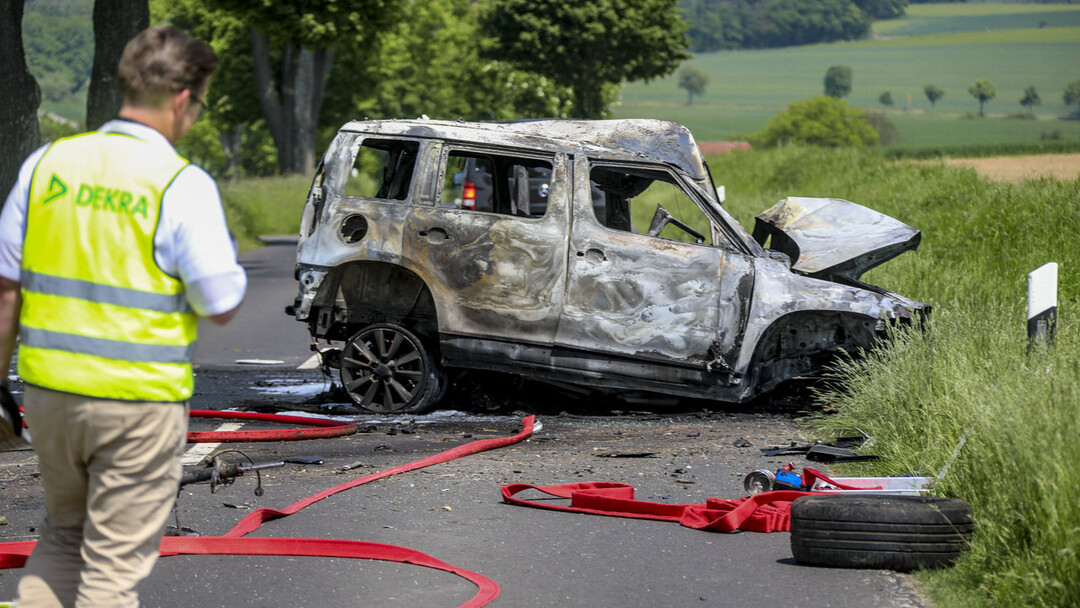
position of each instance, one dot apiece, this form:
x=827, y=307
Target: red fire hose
x=326, y=428
x=13, y=555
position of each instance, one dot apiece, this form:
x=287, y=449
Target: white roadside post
x=1042, y=303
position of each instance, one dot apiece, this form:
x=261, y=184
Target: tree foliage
x=590, y=47
x=933, y=93
x=733, y=24
x=1030, y=98
x=59, y=45
x=885, y=99
x=431, y=64
x=1072, y=94
x=983, y=90
x=819, y=121
x=838, y=81
x=883, y=9
x=293, y=44
x=694, y=80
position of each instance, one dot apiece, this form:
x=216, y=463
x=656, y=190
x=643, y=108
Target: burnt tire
x=874, y=531
x=385, y=368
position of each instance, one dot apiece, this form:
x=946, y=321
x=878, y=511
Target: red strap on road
x=13, y=555
x=327, y=428
x=765, y=512
x=488, y=590
x=809, y=475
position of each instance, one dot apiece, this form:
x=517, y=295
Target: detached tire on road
x=875, y=531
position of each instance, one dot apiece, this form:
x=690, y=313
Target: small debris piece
x=741, y=442
x=3, y=521
x=305, y=459
x=447, y=508
x=829, y=454
x=367, y=428
x=627, y=455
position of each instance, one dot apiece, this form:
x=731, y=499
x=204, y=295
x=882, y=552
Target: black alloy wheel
x=385, y=368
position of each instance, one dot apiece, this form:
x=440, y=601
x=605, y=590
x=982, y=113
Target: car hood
x=832, y=238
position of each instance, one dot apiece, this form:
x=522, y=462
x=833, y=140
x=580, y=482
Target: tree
x=714, y=25
x=776, y=23
x=305, y=35
x=1030, y=99
x=820, y=121
x=838, y=81
x=694, y=80
x=983, y=90
x=431, y=63
x=885, y=99
x=1072, y=94
x=115, y=23
x=883, y=9
x=19, y=100
x=590, y=47
x=933, y=93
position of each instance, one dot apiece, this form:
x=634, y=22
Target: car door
x=495, y=262
x=651, y=291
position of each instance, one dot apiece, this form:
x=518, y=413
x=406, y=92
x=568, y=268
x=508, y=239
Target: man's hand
x=12, y=434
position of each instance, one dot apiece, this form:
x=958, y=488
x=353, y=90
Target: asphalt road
x=453, y=511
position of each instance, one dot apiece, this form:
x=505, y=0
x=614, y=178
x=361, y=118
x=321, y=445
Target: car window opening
x=494, y=183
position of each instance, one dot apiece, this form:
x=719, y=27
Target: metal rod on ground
x=1042, y=304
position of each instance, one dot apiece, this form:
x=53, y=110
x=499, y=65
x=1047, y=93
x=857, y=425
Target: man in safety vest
x=111, y=247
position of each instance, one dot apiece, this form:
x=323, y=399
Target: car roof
x=623, y=139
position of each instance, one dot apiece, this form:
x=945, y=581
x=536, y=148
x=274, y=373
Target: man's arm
x=10, y=304
x=223, y=318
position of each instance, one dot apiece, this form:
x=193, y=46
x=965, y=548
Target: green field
x=747, y=87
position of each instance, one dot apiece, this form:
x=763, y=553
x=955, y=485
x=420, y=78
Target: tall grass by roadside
x=967, y=372
x=261, y=206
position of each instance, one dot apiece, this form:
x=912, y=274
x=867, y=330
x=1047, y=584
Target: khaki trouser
x=111, y=473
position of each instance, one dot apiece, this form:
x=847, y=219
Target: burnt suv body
x=623, y=271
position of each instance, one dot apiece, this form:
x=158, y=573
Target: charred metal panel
x=632, y=294
x=831, y=237
x=778, y=293
x=493, y=274
x=594, y=369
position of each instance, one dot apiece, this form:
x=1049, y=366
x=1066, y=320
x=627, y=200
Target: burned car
x=597, y=254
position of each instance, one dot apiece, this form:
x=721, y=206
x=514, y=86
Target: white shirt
x=192, y=241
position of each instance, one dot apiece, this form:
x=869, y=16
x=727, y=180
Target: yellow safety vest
x=99, y=317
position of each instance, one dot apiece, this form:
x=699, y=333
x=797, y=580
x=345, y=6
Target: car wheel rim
x=383, y=369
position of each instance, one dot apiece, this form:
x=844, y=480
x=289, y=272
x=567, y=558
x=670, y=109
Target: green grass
x=264, y=206
x=960, y=17
x=747, y=87
x=968, y=371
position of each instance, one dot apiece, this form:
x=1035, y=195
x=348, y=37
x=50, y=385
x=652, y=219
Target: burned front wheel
x=385, y=368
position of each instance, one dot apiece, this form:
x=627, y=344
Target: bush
x=886, y=130
x=820, y=121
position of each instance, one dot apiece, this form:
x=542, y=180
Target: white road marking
x=313, y=362
x=201, y=450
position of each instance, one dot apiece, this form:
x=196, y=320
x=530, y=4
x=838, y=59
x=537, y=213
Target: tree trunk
x=19, y=99
x=292, y=109
x=230, y=142
x=115, y=23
